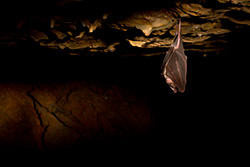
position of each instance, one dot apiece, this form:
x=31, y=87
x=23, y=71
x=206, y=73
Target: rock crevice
x=97, y=28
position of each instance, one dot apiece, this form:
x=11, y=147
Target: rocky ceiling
x=128, y=27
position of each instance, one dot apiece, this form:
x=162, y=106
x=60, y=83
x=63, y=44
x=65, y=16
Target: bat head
x=171, y=84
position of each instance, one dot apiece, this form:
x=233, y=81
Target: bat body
x=174, y=66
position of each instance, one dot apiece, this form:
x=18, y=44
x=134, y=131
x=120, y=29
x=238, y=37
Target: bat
x=174, y=65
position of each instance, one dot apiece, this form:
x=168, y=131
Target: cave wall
x=86, y=105
x=51, y=117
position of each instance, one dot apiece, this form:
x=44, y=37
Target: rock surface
x=53, y=116
x=47, y=107
x=88, y=27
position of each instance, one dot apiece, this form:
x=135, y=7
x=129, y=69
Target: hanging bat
x=174, y=66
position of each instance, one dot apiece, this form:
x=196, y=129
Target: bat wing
x=174, y=66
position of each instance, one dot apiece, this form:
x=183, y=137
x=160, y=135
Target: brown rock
x=58, y=116
x=94, y=29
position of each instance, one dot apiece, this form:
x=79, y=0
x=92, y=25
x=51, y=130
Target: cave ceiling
x=128, y=27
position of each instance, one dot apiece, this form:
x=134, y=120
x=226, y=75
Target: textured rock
x=76, y=26
x=59, y=116
x=71, y=103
